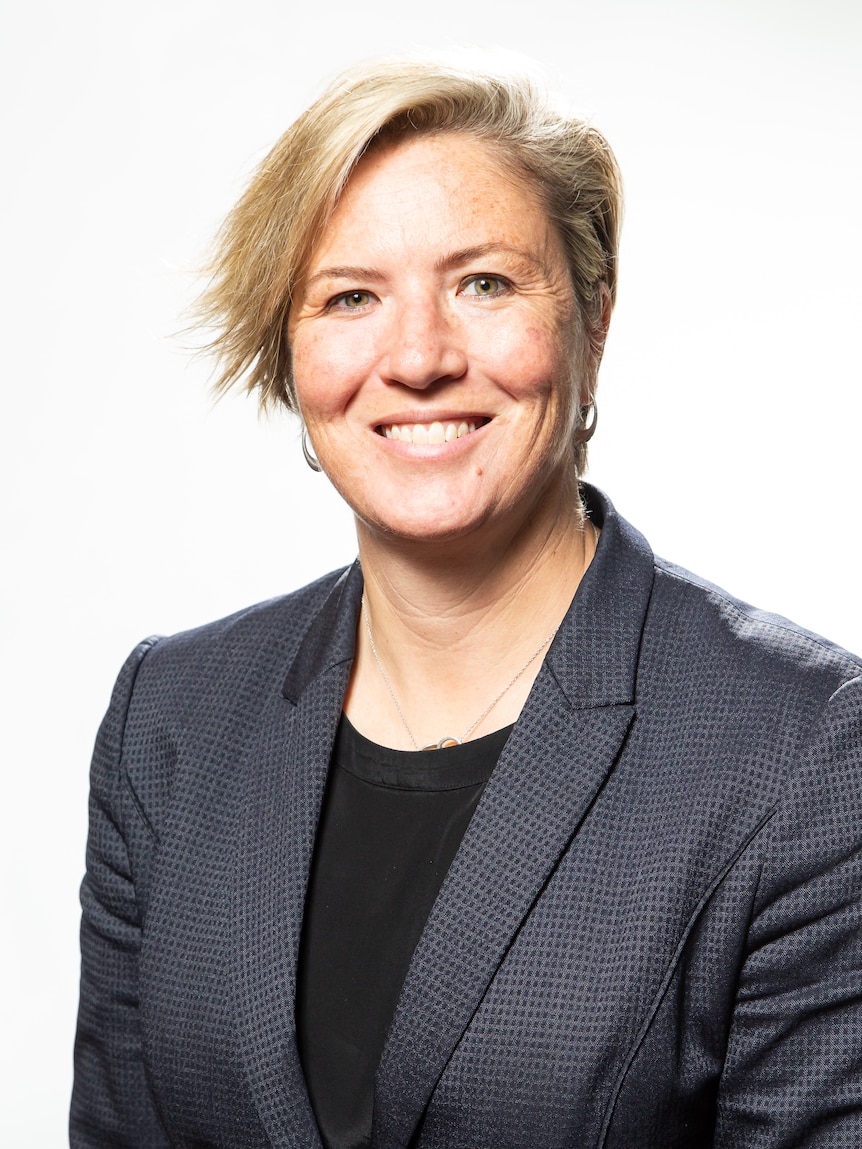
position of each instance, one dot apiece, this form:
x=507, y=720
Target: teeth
x=428, y=433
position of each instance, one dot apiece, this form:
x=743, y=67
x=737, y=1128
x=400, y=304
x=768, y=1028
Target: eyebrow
x=345, y=271
x=470, y=254
x=453, y=259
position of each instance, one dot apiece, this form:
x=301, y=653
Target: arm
x=111, y=1103
x=793, y=1073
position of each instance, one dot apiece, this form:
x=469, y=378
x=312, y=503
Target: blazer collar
x=594, y=656
x=331, y=638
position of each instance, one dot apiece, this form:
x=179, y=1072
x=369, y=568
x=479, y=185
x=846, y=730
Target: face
x=436, y=343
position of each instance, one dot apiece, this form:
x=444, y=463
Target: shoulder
x=230, y=656
x=190, y=692
x=696, y=641
x=719, y=625
x=750, y=675
x=287, y=614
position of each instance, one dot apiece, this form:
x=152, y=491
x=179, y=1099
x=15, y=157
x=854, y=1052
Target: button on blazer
x=651, y=935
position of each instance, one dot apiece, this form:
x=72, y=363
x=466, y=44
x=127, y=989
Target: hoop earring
x=586, y=432
x=307, y=454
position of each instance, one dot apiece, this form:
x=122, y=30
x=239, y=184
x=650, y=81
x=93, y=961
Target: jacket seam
x=144, y=647
x=671, y=969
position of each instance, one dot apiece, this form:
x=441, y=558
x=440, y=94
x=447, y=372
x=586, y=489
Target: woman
x=511, y=834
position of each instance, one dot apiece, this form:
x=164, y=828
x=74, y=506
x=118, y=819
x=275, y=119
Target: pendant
x=443, y=744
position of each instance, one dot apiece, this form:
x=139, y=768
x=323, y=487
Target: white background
x=730, y=395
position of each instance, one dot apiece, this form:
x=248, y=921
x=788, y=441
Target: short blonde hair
x=267, y=239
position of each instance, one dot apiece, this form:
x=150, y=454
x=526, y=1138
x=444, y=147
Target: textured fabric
x=389, y=827
x=649, y=937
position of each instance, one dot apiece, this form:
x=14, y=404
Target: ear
x=599, y=328
x=595, y=332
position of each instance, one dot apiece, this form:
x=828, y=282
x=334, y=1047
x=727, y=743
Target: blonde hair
x=267, y=239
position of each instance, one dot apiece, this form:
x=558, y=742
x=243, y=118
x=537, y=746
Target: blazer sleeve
x=793, y=1070
x=111, y=1103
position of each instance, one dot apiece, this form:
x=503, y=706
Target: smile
x=430, y=433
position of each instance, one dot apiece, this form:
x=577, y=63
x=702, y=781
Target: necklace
x=444, y=742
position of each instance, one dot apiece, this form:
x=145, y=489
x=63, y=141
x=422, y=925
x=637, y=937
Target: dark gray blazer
x=650, y=936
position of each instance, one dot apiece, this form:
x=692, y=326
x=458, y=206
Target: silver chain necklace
x=444, y=742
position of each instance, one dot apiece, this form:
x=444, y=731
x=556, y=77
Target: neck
x=435, y=588
x=453, y=621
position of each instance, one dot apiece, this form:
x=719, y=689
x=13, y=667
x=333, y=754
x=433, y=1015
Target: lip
x=429, y=450
x=425, y=419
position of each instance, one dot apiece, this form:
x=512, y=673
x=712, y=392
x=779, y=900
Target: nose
x=424, y=346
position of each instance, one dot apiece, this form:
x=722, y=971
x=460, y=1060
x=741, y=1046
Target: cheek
x=324, y=373
x=534, y=364
x=551, y=371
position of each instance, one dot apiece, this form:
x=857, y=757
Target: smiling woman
x=457, y=314
x=511, y=834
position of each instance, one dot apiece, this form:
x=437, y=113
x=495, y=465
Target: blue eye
x=484, y=285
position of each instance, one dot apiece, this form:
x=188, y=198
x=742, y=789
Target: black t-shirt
x=391, y=823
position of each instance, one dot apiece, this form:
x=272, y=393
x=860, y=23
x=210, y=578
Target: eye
x=485, y=285
x=352, y=300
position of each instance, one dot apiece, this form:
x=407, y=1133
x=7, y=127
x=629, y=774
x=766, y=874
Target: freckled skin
x=439, y=289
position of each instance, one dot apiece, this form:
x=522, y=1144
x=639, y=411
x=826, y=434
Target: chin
x=434, y=532
x=423, y=525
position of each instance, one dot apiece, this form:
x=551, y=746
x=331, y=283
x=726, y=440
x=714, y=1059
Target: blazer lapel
x=559, y=754
x=286, y=771
x=528, y=814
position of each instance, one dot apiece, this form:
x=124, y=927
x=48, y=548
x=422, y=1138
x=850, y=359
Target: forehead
x=434, y=191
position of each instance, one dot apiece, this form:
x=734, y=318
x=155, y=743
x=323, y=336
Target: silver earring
x=307, y=453
x=586, y=432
